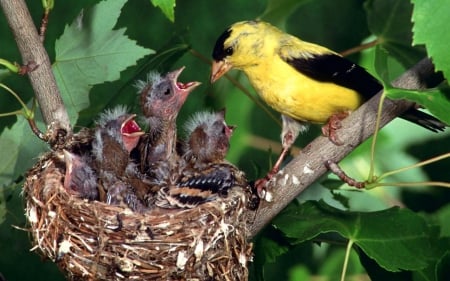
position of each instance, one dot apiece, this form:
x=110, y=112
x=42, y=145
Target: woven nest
x=97, y=241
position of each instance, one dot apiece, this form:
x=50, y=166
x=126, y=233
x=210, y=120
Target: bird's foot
x=334, y=124
x=335, y=169
x=260, y=184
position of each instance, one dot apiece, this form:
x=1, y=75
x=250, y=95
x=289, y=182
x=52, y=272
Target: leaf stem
x=410, y=184
x=371, y=177
x=10, y=66
x=26, y=112
x=347, y=257
x=417, y=165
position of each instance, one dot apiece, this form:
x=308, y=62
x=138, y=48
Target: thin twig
x=44, y=24
x=36, y=130
x=360, y=48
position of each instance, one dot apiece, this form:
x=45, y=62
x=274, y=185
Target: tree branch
x=309, y=165
x=32, y=51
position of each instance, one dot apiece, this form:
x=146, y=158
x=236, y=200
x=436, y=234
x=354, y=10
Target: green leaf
x=431, y=27
x=277, y=12
x=390, y=20
x=19, y=142
x=375, y=272
x=90, y=52
x=167, y=7
x=436, y=100
x=442, y=267
x=443, y=217
x=437, y=268
x=390, y=237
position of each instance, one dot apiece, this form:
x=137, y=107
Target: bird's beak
x=218, y=69
x=131, y=132
x=186, y=87
x=182, y=89
x=175, y=74
x=189, y=87
x=130, y=128
x=68, y=158
x=229, y=130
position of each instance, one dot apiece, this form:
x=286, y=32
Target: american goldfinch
x=204, y=174
x=80, y=178
x=116, y=135
x=305, y=82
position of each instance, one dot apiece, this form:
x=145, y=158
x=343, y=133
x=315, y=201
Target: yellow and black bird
x=305, y=82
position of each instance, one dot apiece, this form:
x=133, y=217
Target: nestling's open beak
x=131, y=132
x=185, y=88
x=218, y=69
x=130, y=128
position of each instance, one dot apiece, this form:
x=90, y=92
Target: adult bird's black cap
x=219, y=51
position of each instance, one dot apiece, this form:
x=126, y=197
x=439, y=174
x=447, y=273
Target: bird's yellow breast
x=296, y=95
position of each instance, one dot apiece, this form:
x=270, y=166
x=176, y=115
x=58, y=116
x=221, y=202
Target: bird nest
x=96, y=241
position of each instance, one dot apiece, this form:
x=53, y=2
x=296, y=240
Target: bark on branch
x=308, y=166
x=32, y=50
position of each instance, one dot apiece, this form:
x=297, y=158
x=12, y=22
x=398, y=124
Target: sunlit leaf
x=167, y=7
x=437, y=100
x=431, y=27
x=90, y=52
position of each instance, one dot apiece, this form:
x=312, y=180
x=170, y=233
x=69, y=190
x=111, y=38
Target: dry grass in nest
x=97, y=241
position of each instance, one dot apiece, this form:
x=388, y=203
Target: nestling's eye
x=229, y=51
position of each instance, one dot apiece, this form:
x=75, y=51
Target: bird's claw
x=334, y=124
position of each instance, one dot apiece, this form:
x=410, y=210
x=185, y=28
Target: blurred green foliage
x=187, y=39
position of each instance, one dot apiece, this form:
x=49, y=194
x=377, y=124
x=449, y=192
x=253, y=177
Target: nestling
x=305, y=82
x=116, y=135
x=161, y=98
x=204, y=173
x=80, y=178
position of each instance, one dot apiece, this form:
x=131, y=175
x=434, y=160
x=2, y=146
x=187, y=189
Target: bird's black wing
x=339, y=70
x=336, y=69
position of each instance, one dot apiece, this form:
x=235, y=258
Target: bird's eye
x=229, y=51
x=167, y=92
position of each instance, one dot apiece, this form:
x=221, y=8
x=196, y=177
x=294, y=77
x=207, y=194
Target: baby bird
x=161, y=99
x=305, y=82
x=204, y=173
x=116, y=135
x=80, y=178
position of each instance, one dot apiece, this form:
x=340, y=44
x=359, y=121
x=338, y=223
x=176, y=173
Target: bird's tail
x=423, y=119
